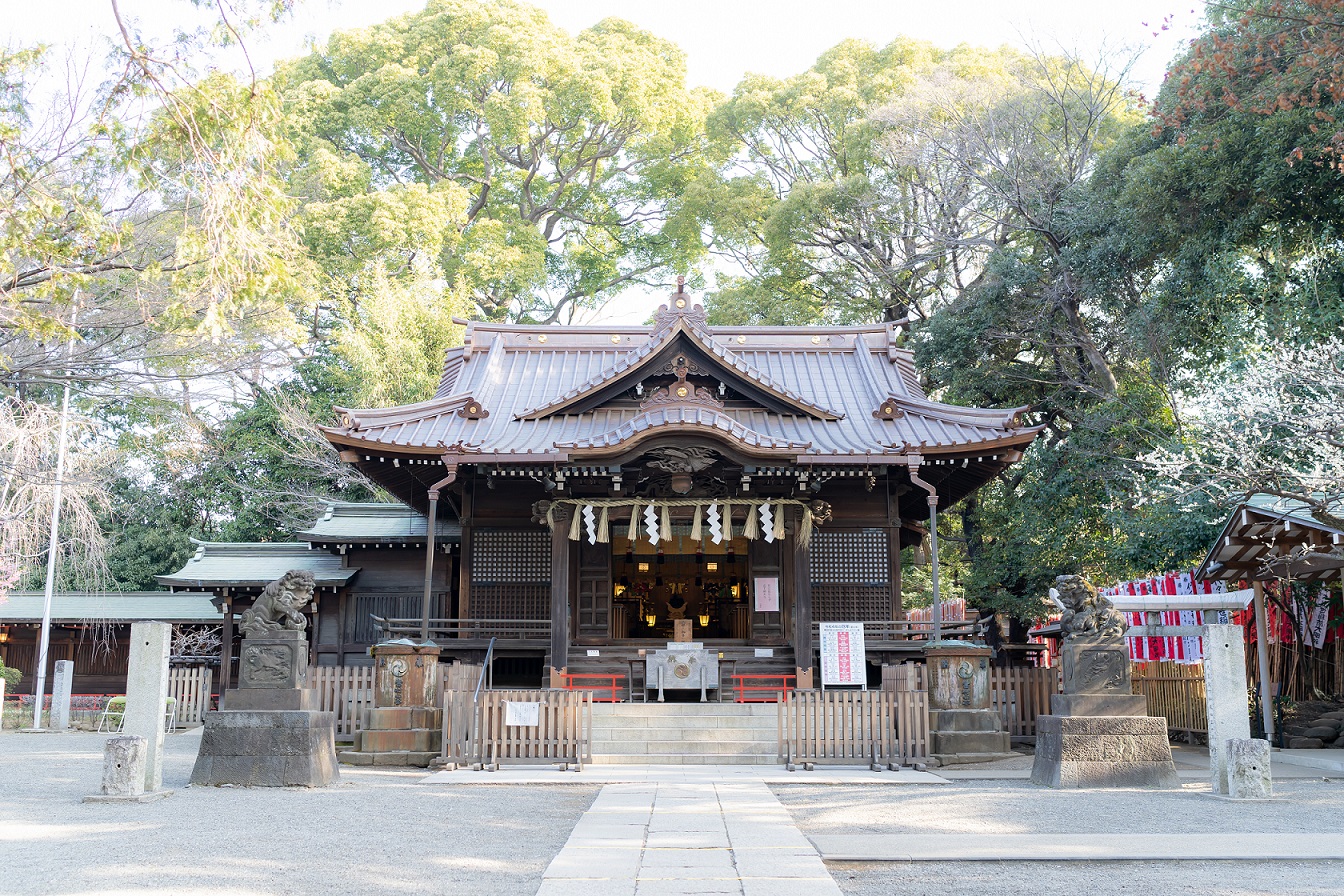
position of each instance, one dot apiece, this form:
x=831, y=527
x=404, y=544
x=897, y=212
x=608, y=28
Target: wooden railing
x=1176, y=692
x=344, y=690
x=762, y=689
x=482, y=629
x=190, y=687
x=1020, y=694
x=475, y=733
x=608, y=684
x=910, y=630
x=875, y=728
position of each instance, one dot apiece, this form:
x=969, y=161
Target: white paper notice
x=767, y=594
x=518, y=713
x=843, y=658
x=764, y=652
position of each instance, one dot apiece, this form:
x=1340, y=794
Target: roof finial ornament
x=678, y=307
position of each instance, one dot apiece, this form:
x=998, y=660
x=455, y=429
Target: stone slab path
x=683, y=838
x=682, y=774
x=1078, y=847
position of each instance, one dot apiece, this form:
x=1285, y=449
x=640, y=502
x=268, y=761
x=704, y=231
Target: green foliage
x=11, y=676
x=534, y=170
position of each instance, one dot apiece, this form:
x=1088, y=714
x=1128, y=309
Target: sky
x=723, y=39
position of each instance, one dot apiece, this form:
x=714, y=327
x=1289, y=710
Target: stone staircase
x=685, y=734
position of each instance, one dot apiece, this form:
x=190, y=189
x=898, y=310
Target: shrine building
x=602, y=483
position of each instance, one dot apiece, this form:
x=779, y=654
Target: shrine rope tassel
x=764, y=518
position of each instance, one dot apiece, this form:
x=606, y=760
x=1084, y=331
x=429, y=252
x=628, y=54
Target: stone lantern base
x=404, y=726
x=962, y=726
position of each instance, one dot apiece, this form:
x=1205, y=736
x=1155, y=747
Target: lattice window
x=510, y=555
x=850, y=558
x=515, y=600
x=850, y=603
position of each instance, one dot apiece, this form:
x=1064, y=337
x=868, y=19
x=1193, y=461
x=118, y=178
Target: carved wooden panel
x=511, y=574
x=850, y=576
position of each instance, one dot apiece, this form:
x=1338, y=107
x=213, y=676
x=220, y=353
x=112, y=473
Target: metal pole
x=53, y=544
x=429, y=564
x=933, y=559
x=1262, y=659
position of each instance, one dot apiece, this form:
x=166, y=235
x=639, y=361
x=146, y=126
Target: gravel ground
x=1017, y=807
x=376, y=832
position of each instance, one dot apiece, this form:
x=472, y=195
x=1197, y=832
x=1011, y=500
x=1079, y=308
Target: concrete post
x=1225, y=694
x=147, y=693
x=60, y=695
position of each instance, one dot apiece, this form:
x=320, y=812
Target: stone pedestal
x=1100, y=733
x=962, y=726
x=405, y=725
x=124, y=773
x=1248, y=769
x=268, y=733
x=1103, y=751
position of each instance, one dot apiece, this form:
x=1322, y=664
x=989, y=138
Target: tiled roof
x=351, y=523
x=218, y=564
x=128, y=606
x=546, y=393
x=1268, y=537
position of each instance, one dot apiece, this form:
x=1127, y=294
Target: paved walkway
x=687, y=838
x=682, y=774
x=1079, y=847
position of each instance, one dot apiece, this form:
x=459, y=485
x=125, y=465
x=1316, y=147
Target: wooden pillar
x=464, y=562
x=894, y=571
x=1262, y=659
x=560, y=590
x=802, y=610
x=226, y=649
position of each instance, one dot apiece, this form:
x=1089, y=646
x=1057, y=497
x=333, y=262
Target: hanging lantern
x=651, y=619
x=704, y=620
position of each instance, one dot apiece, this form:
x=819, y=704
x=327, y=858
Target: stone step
x=771, y=758
x=728, y=748
x=679, y=735
x=417, y=758
x=684, y=710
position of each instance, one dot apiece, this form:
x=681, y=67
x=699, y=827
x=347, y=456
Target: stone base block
x=964, y=720
x=1103, y=751
x=152, y=796
x=275, y=699
x=411, y=758
x=267, y=748
x=384, y=718
x=949, y=742
x=414, y=739
x=1098, y=705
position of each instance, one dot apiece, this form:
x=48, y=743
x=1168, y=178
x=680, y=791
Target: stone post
x=1225, y=694
x=1248, y=769
x=124, y=766
x=60, y=695
x=147, y=693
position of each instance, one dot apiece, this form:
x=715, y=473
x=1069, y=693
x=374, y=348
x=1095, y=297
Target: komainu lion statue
x=1085, y=611
x=280, y=605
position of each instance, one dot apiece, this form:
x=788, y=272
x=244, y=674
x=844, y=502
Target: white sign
x=767, y=594
x=763, y=652
x=517, y=713
x=843, y=659
x=594, y=653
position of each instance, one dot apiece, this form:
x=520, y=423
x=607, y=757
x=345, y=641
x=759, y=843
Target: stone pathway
x=687, y=838
x=1081, y=847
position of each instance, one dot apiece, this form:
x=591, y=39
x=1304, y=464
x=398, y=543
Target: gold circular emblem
x=741, y=340
x=887, y=409
x=473, y=410
x=681, y=392
x=615, y=339
x=681, y=303
x=541, y=338
x=816, y=340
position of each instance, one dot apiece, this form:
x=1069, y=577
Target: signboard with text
x=767, y=594
x=843, y=659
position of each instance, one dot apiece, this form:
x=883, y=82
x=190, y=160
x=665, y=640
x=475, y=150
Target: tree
x=538, y=172
x=1274, y=425
x=1265, y=58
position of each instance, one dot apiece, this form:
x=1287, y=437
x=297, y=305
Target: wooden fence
x=475, y=732
x=190, y=687
x=1175, y=691
x=345, y=690
x=1020, y=694
x=881, y=728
